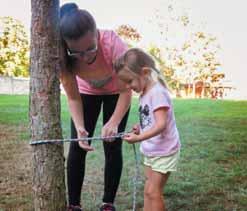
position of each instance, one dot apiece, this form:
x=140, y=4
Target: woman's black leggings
x=113, y=150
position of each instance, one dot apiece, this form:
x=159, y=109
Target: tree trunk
x=44, y=110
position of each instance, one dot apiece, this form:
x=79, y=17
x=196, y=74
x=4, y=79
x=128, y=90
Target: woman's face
x=85, y=48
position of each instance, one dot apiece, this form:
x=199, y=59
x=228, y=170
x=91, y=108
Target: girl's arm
x=160, y=116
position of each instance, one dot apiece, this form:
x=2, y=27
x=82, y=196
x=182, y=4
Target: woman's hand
x=82, y=133
x=131, y=138
x=109, y=129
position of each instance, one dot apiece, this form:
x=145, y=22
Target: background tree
x=129, y=34
x=14, y=48
x=186, y=54
x=48, y=159
x=196, y=60
x=166, y=70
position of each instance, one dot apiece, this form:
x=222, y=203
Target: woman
x=90, y=82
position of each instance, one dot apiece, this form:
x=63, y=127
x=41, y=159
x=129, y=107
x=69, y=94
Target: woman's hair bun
x=68, y=8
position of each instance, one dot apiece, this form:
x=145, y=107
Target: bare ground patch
x=15, y=169
x=16, y=178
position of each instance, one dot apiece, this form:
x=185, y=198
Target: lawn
x=212, y=173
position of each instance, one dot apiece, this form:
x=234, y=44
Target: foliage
x=185, y=53
x=168, y=72
x=197, y=59
x=14, y=48
x=129, y=34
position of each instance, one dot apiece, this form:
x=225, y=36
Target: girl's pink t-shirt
x=111, y=47
x=167, y=142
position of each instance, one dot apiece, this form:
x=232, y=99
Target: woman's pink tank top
x=112, y=47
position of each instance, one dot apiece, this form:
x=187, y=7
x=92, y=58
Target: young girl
x=157, y=130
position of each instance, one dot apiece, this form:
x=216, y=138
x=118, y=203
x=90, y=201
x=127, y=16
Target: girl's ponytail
x=160, y=78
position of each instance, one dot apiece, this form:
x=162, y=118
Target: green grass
x=13, y=109
x=212, y=173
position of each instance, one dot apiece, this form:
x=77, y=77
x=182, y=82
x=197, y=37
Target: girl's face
x=132, y=80
x=85, y=48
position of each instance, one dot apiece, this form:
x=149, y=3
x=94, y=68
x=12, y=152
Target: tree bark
x=44, y=107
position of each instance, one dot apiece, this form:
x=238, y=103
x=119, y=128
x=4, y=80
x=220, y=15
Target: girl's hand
x=109, y=129
x=131, y=138
x=136, y=129
x=82, y=133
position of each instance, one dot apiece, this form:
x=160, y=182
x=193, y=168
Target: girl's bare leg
x=147, y=202
x=154, y=191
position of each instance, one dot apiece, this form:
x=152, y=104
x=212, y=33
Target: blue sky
x=224, y=19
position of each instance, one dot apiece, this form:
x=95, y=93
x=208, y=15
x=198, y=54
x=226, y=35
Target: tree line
x=194, y=60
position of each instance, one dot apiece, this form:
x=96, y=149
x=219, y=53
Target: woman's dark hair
x=74, y=23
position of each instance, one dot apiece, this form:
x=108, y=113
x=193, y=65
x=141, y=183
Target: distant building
x=217, y=90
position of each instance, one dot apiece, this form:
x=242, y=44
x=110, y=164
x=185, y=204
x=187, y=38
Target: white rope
x=50, y=141
x=119, y=135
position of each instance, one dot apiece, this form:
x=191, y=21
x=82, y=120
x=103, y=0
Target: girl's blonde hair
x=135, y=59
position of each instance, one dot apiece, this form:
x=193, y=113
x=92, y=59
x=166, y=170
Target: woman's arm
x=69, y=83
x=123, y=104
x=122, y=107
x=118, y=47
